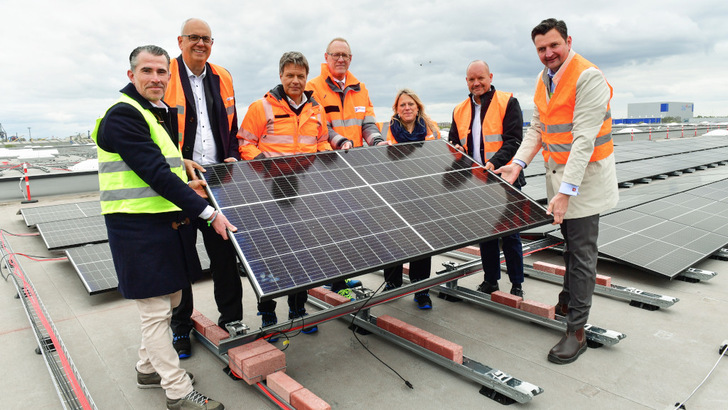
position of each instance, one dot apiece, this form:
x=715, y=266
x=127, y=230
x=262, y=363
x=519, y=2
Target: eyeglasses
x=194, y=38
x=338, y=56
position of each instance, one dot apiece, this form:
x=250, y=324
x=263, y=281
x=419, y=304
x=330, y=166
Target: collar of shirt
x=341, y=83
x=295, y=106
x=192, y=75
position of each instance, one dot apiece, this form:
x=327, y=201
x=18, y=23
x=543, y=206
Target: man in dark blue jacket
x=150, y=214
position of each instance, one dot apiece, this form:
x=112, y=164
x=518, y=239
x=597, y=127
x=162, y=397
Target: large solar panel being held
x=306, y=220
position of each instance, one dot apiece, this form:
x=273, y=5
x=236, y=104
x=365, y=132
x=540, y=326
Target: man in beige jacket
x=572, y=122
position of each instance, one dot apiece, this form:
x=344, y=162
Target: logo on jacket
x=360, y=109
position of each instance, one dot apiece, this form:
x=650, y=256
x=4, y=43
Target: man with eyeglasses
x=208, y=126
x=349, y=113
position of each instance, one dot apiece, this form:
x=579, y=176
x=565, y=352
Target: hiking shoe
x=194, y=400
x=487, y=287
x=390, y=286
x=347, y=293
x=300, y=314
x=154, y=380
x=517, y=290
x=353, y=283
x=423, y=300
x=182, y=345
x=269, y=319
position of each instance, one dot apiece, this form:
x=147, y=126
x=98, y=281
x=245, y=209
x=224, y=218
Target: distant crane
x=3, y=134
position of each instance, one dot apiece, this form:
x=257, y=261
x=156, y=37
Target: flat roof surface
x=666, y=354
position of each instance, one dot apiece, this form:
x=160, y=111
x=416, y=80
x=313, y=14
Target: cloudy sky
x=66, y=60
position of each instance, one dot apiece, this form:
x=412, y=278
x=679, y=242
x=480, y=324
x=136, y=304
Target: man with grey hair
x=150, y=210
x=297, y=127
x=208, y=125
x=348, y=112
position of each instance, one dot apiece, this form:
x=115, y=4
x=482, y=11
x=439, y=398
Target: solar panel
x=95, y=267
x=73, y=232
x=36, y=215
x=668, y=235
x=306, y=220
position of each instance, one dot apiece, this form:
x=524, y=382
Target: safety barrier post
x=667, y=134
x=682, y=130
x=27, y=186
x=650, y=134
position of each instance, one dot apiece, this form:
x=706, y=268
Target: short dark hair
x=292, y=57
x=548, y=25
x=151, y=49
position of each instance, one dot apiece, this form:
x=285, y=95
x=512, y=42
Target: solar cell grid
x=36, y=215
x=337, y=214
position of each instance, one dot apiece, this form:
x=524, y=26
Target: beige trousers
x=156, y=353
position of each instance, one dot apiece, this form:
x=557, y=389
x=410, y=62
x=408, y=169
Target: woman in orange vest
x=410, y=124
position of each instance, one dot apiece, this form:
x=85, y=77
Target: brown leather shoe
x=569, y=348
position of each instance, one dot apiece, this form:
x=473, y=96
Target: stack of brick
x=325, y=295
x=530, y=306
x=294, y=394
x=422, y=338
x=208, y=328
x=561, y=271
x=254, y=361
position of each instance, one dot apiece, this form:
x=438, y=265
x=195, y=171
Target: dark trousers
x=580, y=259
x=418, y=270
x=226, y=280
x=296, y=303
x=513, y=252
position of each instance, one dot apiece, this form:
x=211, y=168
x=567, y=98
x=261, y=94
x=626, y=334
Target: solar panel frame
x=360, y=210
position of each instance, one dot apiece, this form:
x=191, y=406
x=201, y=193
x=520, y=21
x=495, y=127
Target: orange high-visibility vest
x=557, y=116
x=345, y=115
x=272, y=128
x=175, y=95
x=491, y=128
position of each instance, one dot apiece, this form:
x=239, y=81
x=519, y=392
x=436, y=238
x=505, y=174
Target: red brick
x=560, y=270
x=215, y=334
x=604, y=280
x=202, y=322
x=304, y=399
x=545, y=267
x=538, y=308
x=506, y=299
x=471, y=250
x=282, y=385
x=415, y=335
x=196, y=313
x=445, y=348
x=319, y=293
x=256, y=368
x=236, y=355
x=405, y=269
x=334, y=299
x=386, y=322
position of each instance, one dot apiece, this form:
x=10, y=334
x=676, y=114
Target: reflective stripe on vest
x=121, y=189
x=557, y=112
x=175, y=95
x=492, y=126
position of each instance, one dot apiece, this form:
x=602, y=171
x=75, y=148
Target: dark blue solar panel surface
x=306, y=220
